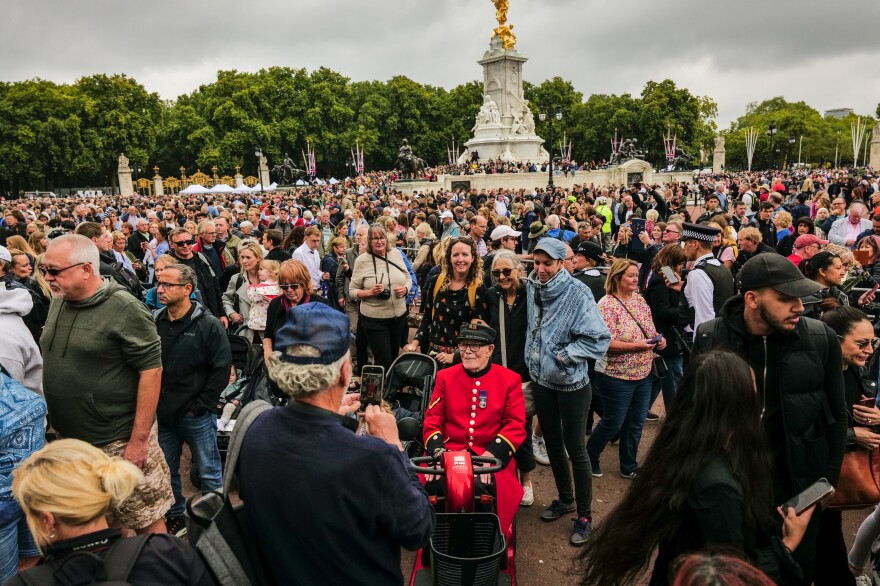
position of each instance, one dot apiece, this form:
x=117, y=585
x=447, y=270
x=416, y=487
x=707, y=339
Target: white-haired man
x=298, y=480
x=845, y=231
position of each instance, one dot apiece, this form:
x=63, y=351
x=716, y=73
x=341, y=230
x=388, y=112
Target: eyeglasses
x=208, y=233
x=498, y=272
x=161, y=285
x=568, y=258
x=292, y=286
x=184, y=242
x=55, y=272
x=671, y=231
x=472, y=348
x=379, y=239
x=862, y=344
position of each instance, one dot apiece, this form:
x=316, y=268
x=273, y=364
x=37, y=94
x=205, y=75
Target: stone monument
x=158, y=187
x=874, y=158
x=126, y=187
x=264, y=171
x=505, y=124
x=718, y=155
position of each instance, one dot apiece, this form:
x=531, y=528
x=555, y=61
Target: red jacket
x=479, y=414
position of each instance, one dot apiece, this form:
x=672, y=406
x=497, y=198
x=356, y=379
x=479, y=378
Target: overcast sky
x=824, y=53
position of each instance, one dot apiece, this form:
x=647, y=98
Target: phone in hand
x=670, y=275
x=372, y=382
x=869, y=402
x=656, y=339
x=809, y=497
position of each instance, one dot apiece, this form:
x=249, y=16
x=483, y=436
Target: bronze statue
x=626, y=151
x=407, y=163
x=286, y=172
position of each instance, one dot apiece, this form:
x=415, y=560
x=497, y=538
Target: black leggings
x=383, y=337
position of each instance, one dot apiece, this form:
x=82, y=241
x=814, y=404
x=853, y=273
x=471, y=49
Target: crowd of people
x=556, y=319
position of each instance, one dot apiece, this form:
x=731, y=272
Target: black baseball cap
x=777, y=272
x=590, y=250
x=476, y=333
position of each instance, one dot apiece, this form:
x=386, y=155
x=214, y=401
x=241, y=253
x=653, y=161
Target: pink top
x=628, y=365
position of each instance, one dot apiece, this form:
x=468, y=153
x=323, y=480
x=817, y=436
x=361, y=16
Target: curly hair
x=475, y=272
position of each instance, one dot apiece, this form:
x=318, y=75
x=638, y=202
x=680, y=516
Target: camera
x=386, y=294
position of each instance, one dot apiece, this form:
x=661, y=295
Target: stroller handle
x=437, y=470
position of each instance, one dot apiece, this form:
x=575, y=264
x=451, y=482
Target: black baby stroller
x=253, y=383
x=408, y=386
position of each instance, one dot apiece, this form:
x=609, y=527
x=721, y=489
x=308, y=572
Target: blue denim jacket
x=565, y=328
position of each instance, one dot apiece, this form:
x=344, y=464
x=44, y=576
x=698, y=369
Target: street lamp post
x=791, y=140
x=771, y=132
x=258, y=152
x=542, y=116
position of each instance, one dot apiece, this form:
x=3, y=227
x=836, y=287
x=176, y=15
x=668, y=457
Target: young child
x=261, y=294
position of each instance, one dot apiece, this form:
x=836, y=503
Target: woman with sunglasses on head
x=296, y=285
x=507, y=300
x=702, y=484
x=380, y=281
x=857, y=344
x=236, y=304
x=453, y=298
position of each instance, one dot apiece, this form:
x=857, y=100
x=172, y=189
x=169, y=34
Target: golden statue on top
x=504, y=31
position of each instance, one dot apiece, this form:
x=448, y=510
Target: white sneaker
x=528, y=498
x=540, y=449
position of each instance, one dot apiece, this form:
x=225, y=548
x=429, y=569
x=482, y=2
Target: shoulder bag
x=526, y=386
x=658, y=366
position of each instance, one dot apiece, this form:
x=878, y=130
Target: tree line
x=63, y=135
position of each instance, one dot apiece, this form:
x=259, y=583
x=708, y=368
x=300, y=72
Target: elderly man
x=450, y=226
x=102, y=372
x=138, y=242
x=845, y=231
x=751, y=243
x=805, y=247
x=297, y=479
x=489, y=420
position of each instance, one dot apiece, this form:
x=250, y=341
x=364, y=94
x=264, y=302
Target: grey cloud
x=736, y=52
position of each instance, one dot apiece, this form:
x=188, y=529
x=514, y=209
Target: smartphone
x=638, y=226
x=670, y=275
x=372, y=382
x=869, y=402
x=656, y=339
x=809, y=497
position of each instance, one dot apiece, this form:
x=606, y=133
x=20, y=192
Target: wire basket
x=467, y=549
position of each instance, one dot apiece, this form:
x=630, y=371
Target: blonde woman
x=236, y=304
x=66, y=491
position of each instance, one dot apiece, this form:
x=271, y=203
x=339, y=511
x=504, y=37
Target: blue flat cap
x=316, y=325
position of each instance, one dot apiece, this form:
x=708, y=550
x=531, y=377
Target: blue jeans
x=16, y=540
x=200, y=434
x=669, y=382
x=625, y=405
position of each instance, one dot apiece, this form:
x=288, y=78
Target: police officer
x=478, y=407
x=708, y=284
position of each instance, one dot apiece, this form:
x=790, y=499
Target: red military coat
x=479, y=414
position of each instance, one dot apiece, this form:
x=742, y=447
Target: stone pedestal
x=239, y=180
x=874, y=157
x=126, y=187
x=264, y=172
x=718, y=155
x=158, y=188
x=504, y=125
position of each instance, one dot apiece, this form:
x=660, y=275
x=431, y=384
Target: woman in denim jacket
x=564, y=330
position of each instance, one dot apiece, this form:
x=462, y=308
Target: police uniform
x=709, y=283
x=480, y=412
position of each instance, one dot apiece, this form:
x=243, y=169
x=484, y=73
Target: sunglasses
x=184, y=243
x=498, y=272
x=292, y=286
x=862, y=344
x=55, y=272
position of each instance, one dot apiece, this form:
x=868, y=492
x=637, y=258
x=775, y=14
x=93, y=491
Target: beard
x=778, y=325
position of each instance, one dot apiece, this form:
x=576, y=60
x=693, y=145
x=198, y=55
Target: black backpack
x=113, y=569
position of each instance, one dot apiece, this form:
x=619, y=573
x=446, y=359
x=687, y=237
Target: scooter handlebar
x=495, y=465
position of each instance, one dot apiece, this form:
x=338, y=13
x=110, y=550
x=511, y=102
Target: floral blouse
x=445, y=315
x=628, y=365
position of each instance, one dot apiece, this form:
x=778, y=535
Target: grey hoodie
x=19, y=353
x=94, y=351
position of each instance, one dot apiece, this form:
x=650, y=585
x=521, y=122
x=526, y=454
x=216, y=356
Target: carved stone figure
x=719, y=143
x=488, y=114
x=123, y=164
x=518, y=126
x=528, y=118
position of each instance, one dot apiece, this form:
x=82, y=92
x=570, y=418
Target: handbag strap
x=622, y=304
x=247, y=416
x=502, y=322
